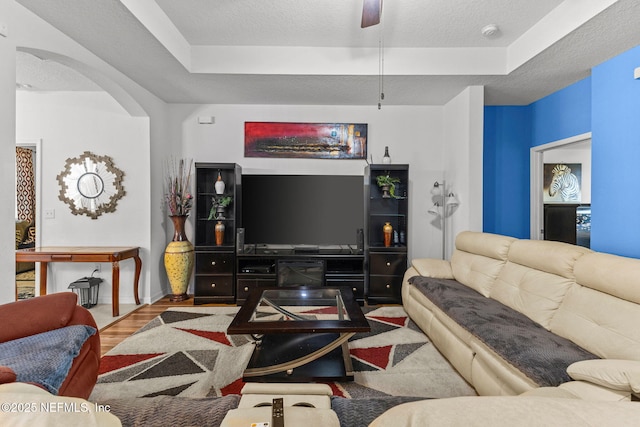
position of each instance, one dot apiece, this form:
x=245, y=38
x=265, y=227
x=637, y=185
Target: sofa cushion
x=541, y=355
x=603, y=324
x=537, y=294
x=437, y=268
x=508, y=411
x=616, y=374
x=486, y=244
x=32, y=406
x=536, y=277
x=478, y=259
x=553, y=257
x=45, y=358
x=580, y=390
x=611, y=274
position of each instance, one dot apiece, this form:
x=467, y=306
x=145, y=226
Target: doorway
x=555, y=152
x=26, y=278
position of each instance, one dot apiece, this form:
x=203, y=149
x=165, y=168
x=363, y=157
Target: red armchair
x=42, y=314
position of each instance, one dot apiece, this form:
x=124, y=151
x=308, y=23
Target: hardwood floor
x=114, y=334
x=117, y=332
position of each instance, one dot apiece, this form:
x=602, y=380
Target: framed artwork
x=305, y=140
x=562, y=183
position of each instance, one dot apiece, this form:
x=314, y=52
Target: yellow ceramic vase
x=178, y=261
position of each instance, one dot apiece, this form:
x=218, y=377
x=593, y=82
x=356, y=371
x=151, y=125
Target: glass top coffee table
x=301, y=333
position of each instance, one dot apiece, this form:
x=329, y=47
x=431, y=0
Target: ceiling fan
x=371, y=11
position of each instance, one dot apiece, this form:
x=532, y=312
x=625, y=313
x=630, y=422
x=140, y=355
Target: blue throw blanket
x=47, y=357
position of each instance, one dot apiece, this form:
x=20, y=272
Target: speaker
x=240, y=241
x=360, y=239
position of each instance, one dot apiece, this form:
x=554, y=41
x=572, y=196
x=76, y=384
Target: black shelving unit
x=386, y=264
x=215, y=263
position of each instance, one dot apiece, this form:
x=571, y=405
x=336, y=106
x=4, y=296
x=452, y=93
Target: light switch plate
x=4, y=30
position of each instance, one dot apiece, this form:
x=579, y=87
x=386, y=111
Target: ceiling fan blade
x=371, y=11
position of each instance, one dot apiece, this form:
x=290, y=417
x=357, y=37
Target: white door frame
x=536, y=181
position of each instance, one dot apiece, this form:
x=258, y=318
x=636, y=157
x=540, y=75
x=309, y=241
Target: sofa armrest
x=35, y=315
x=621, y=375
x=6, y=375
x=436, y=268
x=580, y=390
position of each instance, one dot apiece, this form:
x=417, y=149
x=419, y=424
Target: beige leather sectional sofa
x=591, y=299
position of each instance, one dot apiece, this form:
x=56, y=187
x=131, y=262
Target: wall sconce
x=451, y=200
x=636, y=73
x=444, y=206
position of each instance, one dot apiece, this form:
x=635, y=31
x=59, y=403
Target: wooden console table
x=113, y=254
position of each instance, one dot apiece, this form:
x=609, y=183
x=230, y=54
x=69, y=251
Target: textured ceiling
x=405, y=23
x=125, y=34
x=44, y=75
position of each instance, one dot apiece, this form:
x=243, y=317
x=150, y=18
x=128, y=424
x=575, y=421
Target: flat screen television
x=302, y=209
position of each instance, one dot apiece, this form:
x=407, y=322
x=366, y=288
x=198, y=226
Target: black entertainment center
x=283, y=230
x=262, y=266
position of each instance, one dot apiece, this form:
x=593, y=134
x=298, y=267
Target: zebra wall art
x=564, y=183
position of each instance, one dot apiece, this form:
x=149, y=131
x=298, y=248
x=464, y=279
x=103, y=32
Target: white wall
x=7, y=161
x=414, y=136
x=69, y=123
x=464, y=118
x=29, y=32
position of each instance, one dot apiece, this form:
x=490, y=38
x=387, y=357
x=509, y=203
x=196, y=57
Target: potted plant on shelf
x=388, y=186
x=218, y=207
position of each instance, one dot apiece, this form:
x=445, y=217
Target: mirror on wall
x=91, y=185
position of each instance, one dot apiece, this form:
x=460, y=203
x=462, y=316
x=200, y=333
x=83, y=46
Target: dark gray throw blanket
x=172, y=411
x=539, y=354
x=362, y=412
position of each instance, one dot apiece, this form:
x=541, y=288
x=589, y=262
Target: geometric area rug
x=186, y=352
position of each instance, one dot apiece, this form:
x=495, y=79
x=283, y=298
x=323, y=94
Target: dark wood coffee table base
x=301, y=358
x=300, y=348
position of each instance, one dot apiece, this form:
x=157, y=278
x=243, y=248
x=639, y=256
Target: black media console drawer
x=214, y=263
x=388, y=287
x=213, y=286
x=246, y=285
x=356, y=285
x=391, y=264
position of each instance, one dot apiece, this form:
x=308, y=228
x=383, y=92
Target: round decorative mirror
x=91, y=185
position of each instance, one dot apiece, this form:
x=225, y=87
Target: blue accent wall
x=562, y=114
x=615, y=194
x=608, y=104
x=507, y=139
x=509, y=134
